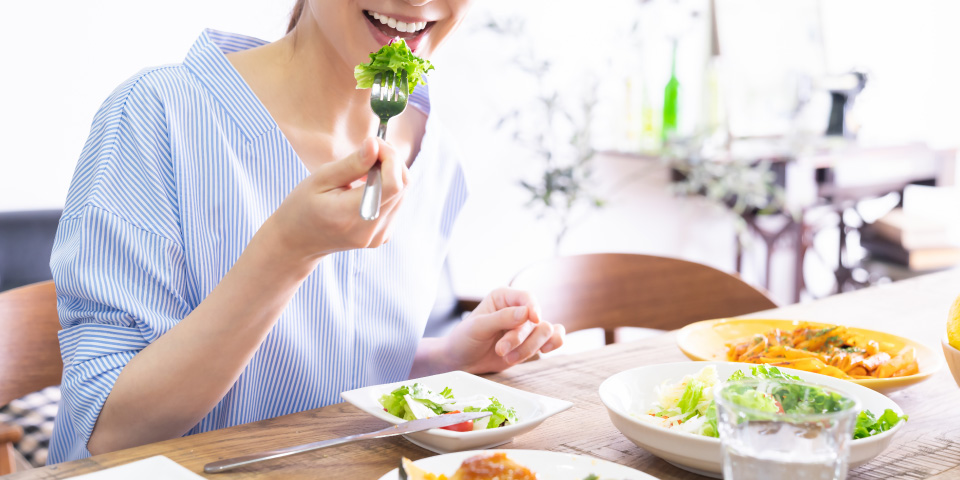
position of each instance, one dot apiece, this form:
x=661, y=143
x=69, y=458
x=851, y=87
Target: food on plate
x=489, y=466
x=689, y=406
x=831, y=350
x=953, y=324
x=493, y=466
x=393, y=57
x=869, y=424
x=414, y=401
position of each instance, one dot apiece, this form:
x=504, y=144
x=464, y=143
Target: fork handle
x=370, y=204
x=382, y=130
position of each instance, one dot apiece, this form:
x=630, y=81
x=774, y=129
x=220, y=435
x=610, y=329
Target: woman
x=211, y=265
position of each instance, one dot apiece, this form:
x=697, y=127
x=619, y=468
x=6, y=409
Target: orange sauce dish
x=495, y=466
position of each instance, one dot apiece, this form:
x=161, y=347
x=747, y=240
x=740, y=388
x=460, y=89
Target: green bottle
x=670, y=94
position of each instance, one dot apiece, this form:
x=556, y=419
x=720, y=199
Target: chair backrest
x=29, y=348
x=612, y=290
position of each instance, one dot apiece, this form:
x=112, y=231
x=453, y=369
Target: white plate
x=547, y=465
x=633, y=391
x=532, y=410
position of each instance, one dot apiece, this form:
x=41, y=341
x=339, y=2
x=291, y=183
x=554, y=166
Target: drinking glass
x=761, y=442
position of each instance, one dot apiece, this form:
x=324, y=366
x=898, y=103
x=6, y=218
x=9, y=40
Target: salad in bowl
x=668, y=409
x=688, y=405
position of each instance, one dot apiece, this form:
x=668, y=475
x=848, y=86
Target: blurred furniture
x=612, y=290
x=823, y=187
x=9, y=435
x=29, y=351
x=26, y=239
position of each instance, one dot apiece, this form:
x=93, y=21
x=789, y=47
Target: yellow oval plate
x=707, y=340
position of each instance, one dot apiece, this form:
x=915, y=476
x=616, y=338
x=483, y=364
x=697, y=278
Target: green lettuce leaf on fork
x=393, y=57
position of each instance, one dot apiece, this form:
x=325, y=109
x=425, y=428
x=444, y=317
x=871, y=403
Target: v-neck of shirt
x=207, y=59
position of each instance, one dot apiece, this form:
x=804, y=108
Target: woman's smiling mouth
x=386, y=27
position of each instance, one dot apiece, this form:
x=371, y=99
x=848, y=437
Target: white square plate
x=532, y=410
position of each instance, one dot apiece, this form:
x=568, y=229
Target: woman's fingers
x=385, y=226
x=392, y=173
x=556, y=341
x=513, y=338
x=490, y=325
x=541, y=334
x=506, y=297
x=340, y=173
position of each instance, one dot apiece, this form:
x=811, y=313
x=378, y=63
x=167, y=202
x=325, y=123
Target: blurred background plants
x=555, y=128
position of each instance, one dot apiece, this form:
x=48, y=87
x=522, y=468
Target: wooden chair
x=612, y=290
x=29, y=352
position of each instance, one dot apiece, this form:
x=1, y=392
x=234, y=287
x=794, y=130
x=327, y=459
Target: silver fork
x=387, y=99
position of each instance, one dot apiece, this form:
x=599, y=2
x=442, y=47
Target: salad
x=689, y=405
x=393, y=57
x=411, y=402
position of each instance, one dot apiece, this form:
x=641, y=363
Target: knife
x=399, y=429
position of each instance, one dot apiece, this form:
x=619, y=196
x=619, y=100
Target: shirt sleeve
x=118, y=259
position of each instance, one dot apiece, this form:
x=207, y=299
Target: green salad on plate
x=689, y=405
x=414, y=401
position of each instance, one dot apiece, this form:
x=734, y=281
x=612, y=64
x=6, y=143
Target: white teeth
x=400, y=26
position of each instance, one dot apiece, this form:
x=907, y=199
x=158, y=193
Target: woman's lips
x=383, y=33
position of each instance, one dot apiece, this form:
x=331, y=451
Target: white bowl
x=532, y=410
x=633, y=391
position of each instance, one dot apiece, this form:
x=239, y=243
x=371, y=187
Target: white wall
x=63, y=57
x=912, y=51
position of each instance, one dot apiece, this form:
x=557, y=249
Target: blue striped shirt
x=182, y=166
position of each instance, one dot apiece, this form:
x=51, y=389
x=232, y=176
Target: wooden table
x=928, y=446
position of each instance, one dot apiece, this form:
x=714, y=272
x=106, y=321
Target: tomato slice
x=459, y=427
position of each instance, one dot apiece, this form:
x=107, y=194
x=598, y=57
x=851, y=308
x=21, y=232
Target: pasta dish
x=832, y=350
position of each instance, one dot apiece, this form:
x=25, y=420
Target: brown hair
x=295, y=15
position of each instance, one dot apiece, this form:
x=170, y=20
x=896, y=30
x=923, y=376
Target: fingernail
x=512, y=357
x=520, y=313
x=503, y=348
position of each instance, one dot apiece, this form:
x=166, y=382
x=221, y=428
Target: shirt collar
x=207, y=60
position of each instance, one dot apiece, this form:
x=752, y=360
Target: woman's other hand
x=322, y=214
x=505, y=329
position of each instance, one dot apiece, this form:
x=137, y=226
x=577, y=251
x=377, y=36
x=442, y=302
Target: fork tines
x=385, y=87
